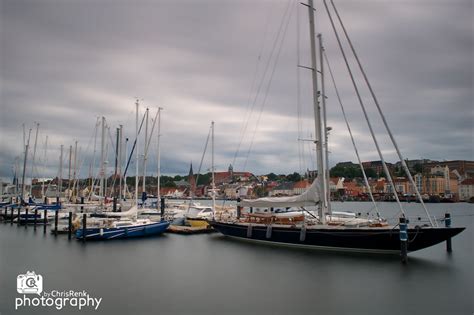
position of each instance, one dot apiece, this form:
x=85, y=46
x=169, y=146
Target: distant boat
x=121, y=229
x=330, y=230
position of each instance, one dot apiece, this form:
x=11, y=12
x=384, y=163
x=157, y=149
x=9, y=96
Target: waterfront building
x=466, y=189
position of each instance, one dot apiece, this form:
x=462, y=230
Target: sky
x=64, y=64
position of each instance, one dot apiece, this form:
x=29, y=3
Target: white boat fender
x=101, y=232
x=303, y=233
x=269, y=231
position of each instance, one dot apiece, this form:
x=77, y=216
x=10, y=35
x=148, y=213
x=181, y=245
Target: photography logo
x=29, y=283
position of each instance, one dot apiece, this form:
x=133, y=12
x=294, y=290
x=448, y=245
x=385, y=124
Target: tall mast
x=33, y=162
x=102, y=162
x=136, y=155
x=158, y=197
x=44, y=165
x=145, y=154
x=120, y=140
x=325, y=127
x=125, y=163
x=317, y=117
x=212, y=170
x=24, y=166
x=74, y=182
x=60, y=180
x=69, y=169
x=117, y=136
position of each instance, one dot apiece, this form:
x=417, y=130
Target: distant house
x=284, y=189
x=466, y=189
x=352, y=188
x=300, y=187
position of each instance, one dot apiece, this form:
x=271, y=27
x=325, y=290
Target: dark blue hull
x=382, y=240
x=123, y=232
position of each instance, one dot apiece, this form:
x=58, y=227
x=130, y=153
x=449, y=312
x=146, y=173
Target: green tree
x=295, y=177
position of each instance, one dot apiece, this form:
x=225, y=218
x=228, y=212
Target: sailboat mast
x=44, y=166
x=327, y=191
x=212, y=170
x=24, y=166
x=34, y=156
x=145, y=154
x=102, y=158
x=136, y=154
x=74, y=182
x=317, y=116
x=158, y=196
x=60, y=180
x=120, y=155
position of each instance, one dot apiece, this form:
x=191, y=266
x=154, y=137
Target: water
x=211, y=274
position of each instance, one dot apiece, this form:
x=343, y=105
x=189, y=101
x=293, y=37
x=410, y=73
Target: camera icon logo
x=29, y=283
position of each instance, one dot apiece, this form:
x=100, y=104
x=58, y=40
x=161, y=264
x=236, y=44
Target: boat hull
x=376, y=240
x=123, y=232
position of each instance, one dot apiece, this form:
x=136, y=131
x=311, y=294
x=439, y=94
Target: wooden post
x=56, y=222
x=11, y=216
x=239, y=208
x=5, y=215
x=35, y=220
x=403, y=240
x=45, y=200
x=69, y=230
x=84, y=226
x=18, y=217
x=26, y=217
x=162, y=207
x=447, y=223
x=45, y=220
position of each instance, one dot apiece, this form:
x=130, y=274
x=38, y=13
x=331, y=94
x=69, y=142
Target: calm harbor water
x=211, y=274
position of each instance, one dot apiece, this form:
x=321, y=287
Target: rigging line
x=402, y=160
x=267, y=65
x=133, y=147
x=350, y=132
x=262, y=106
x=199, y=169
x=252, y=87
x=81, y=163
x=361, y=103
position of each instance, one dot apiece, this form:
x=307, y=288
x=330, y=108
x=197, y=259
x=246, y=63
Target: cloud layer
x=65, y=63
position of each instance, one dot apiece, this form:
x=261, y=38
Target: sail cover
x=309, y=198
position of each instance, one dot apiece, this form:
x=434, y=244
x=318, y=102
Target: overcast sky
x=65, y=63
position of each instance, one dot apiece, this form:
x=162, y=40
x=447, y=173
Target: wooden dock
x=183, y=229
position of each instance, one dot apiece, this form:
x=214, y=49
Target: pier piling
x=5, y=215
x=84, y=226
x=447, y=223
x=239, y=208
x=26, y=217
x=162, y=207
x=56, y=222
x=45, y=220
x=11, y=216
x=403, y=240
x=45, y=200
x=35, y=220
x=69, y=223
x=18, y=217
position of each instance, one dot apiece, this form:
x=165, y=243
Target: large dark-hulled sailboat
x=328, y=229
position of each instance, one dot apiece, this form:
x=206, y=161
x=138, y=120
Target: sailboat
x=330, y=230
x=129, y=226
